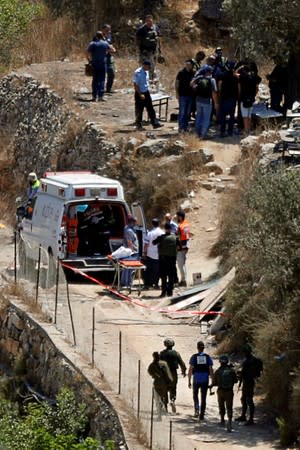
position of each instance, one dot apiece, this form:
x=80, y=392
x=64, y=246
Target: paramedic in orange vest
x=183, y=232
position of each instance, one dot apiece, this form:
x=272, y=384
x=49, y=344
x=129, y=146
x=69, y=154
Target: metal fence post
x=71, y=315
x=56, y=291
x=15, y=256
x=120, y=361
x=93, y=338
x=170, y=435
x=38, y=276
x=151, y=419
x=139, y=389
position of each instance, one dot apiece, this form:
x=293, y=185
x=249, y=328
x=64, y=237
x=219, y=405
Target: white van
x=77, y=217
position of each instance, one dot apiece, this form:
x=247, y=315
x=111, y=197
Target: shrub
x=262, y=241
x=15, y=16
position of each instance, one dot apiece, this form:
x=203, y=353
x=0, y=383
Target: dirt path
x=142, y=328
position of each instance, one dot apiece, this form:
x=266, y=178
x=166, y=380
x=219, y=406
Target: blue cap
x=207, y=68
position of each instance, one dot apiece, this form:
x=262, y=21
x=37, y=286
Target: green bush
x=45, y=427
x=15, y=16
x=263, y=242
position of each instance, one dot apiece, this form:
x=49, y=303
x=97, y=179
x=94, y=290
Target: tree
x=269, y=28
x=15, y=17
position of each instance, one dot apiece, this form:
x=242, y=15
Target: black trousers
x=167, y=265
x=140, y=104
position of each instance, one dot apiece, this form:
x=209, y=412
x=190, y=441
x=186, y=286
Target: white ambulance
x=77, y=217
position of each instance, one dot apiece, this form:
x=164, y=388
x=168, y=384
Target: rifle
x=210, y=387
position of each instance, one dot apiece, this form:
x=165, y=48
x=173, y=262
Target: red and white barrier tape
x=137, y=302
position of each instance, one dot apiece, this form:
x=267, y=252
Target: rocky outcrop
x=45, y=134
x=47, y=370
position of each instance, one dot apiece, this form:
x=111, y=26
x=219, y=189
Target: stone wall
x=45, y=134
x=47, y=370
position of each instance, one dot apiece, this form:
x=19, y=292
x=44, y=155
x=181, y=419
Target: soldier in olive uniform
x=162, y=379
x=173, y=359
x=225, y=378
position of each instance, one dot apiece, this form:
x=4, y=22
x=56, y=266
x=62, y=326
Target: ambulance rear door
x=141, y=225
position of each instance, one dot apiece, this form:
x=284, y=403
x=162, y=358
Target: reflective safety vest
x=184, y=233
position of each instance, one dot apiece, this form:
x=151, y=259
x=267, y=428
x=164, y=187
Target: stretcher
x=134, y=267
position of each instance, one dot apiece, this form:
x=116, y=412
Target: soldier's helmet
x=169, y=342
x=224, y=359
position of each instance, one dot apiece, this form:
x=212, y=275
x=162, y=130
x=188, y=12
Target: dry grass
x=47, y=39
x=17, y=290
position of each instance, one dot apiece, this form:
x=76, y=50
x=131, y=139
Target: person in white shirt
x=151, y=275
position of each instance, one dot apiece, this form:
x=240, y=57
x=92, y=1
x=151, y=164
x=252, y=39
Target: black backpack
x=203, y=87
x=255, y=367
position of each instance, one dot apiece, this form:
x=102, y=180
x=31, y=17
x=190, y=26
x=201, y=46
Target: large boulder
x=160, y=147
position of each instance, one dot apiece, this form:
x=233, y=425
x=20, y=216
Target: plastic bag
x=122, y=252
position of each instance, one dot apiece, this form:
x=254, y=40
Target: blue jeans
x=203, y=116
x=203, y=388
x=98, y=79
x=127, y=275
x=185, y=106
x=227, y=108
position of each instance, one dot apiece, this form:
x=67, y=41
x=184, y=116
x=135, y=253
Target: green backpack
x=226, y=378
x=204, y=87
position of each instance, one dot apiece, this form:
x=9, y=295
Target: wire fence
x=100, y=340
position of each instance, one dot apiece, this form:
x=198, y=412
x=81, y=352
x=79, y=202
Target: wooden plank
x=194, y=290
x=217, y=323
x=212, y=296
x=216, y=293
x=188, y=293
x=188, y=301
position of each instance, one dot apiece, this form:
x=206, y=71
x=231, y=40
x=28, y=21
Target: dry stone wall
x=45, y=134
x=47, y=370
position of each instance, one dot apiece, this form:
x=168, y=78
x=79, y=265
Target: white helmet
x=32, y=176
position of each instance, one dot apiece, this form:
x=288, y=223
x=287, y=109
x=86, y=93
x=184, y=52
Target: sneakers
x=157, y=125
x=101, y=99
x=173, y=407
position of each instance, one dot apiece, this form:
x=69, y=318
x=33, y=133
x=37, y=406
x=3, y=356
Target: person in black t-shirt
x=278, y=81
x=184, y=94
x=228, y=95
x=248, y=87
x=148, y=42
